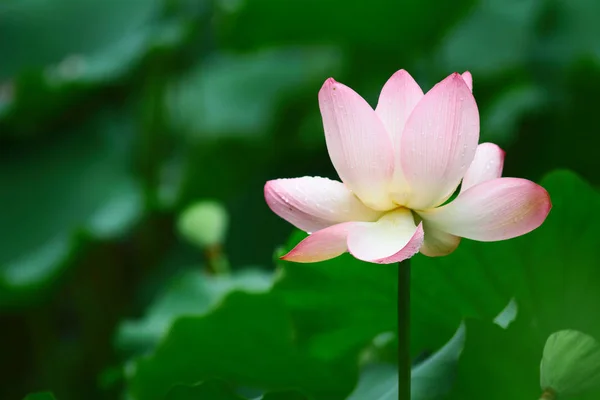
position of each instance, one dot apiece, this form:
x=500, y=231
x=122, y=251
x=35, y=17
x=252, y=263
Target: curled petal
x=398, y=98
x=393, y=238
x=468, y=78
x=358, y=144
x=437, y=242
x=497, y=209
x=487, y=165
x=313, y=203
x=439, y=142
x=321, y=245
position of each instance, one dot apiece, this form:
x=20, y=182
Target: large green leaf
x=54, y=197
x=190, y=293
x=339, y=305
x=556, y=281
x=219, y=390
x=503, y=364
x=248, y=340
x=465, y=283
x=212, y=389
x=431, y=379
x=560, y=272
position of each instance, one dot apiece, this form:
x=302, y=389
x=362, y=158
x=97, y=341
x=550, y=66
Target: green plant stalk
x=404, y=362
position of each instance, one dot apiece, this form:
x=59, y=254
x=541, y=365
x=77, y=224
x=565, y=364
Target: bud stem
x=548, y=394
x=216, y=261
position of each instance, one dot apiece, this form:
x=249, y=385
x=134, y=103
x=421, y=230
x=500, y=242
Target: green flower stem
x=404, y=363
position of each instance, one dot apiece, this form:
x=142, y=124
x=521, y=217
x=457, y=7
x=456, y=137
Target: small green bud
x=204, y=223
x=570, y=364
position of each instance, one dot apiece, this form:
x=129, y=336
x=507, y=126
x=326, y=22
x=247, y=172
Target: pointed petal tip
x=460, y=79
x=400, y=72
x=329, y=82
x=468, y=78
x=548, y=201
x=445, y=125
x=292, y=257
x=456, y=78
x=321, y=245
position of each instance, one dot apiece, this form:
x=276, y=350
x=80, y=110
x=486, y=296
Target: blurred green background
x=117, y=115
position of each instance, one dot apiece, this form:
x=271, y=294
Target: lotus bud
x=204, y=224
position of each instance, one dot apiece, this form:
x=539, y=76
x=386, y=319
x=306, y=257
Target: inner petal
x=393, y=238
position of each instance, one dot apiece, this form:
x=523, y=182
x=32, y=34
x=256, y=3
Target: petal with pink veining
x=487, y=165
x=313, y=203
x=393, y=238
x=438, y=243
x=497, y=209
x=439, y=142
x=321, y=245
x=358, y=144
x=398, y=98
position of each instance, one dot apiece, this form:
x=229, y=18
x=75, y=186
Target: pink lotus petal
x=439, y=142
x=487, y=165
x=359, y=146
x=498, y=209
x=398, y=98
x=313, y=203
x=393, y=238
x=438, y=243
x=321, y=245
x=468, y=78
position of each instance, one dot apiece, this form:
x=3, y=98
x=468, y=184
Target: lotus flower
x=399, y=164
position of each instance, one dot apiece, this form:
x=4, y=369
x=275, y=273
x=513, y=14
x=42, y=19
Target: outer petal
x=498, y=209
x=398, y=98
x=313, y=203
x=438, y=243
x=321, y=245
x=358, y=144
x=468, y=78
x=439, y=142
x=393, y=238
x=487, y=165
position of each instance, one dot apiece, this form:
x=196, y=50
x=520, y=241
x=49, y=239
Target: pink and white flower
x=399, y=163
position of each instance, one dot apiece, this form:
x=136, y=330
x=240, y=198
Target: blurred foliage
x=117, y=116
